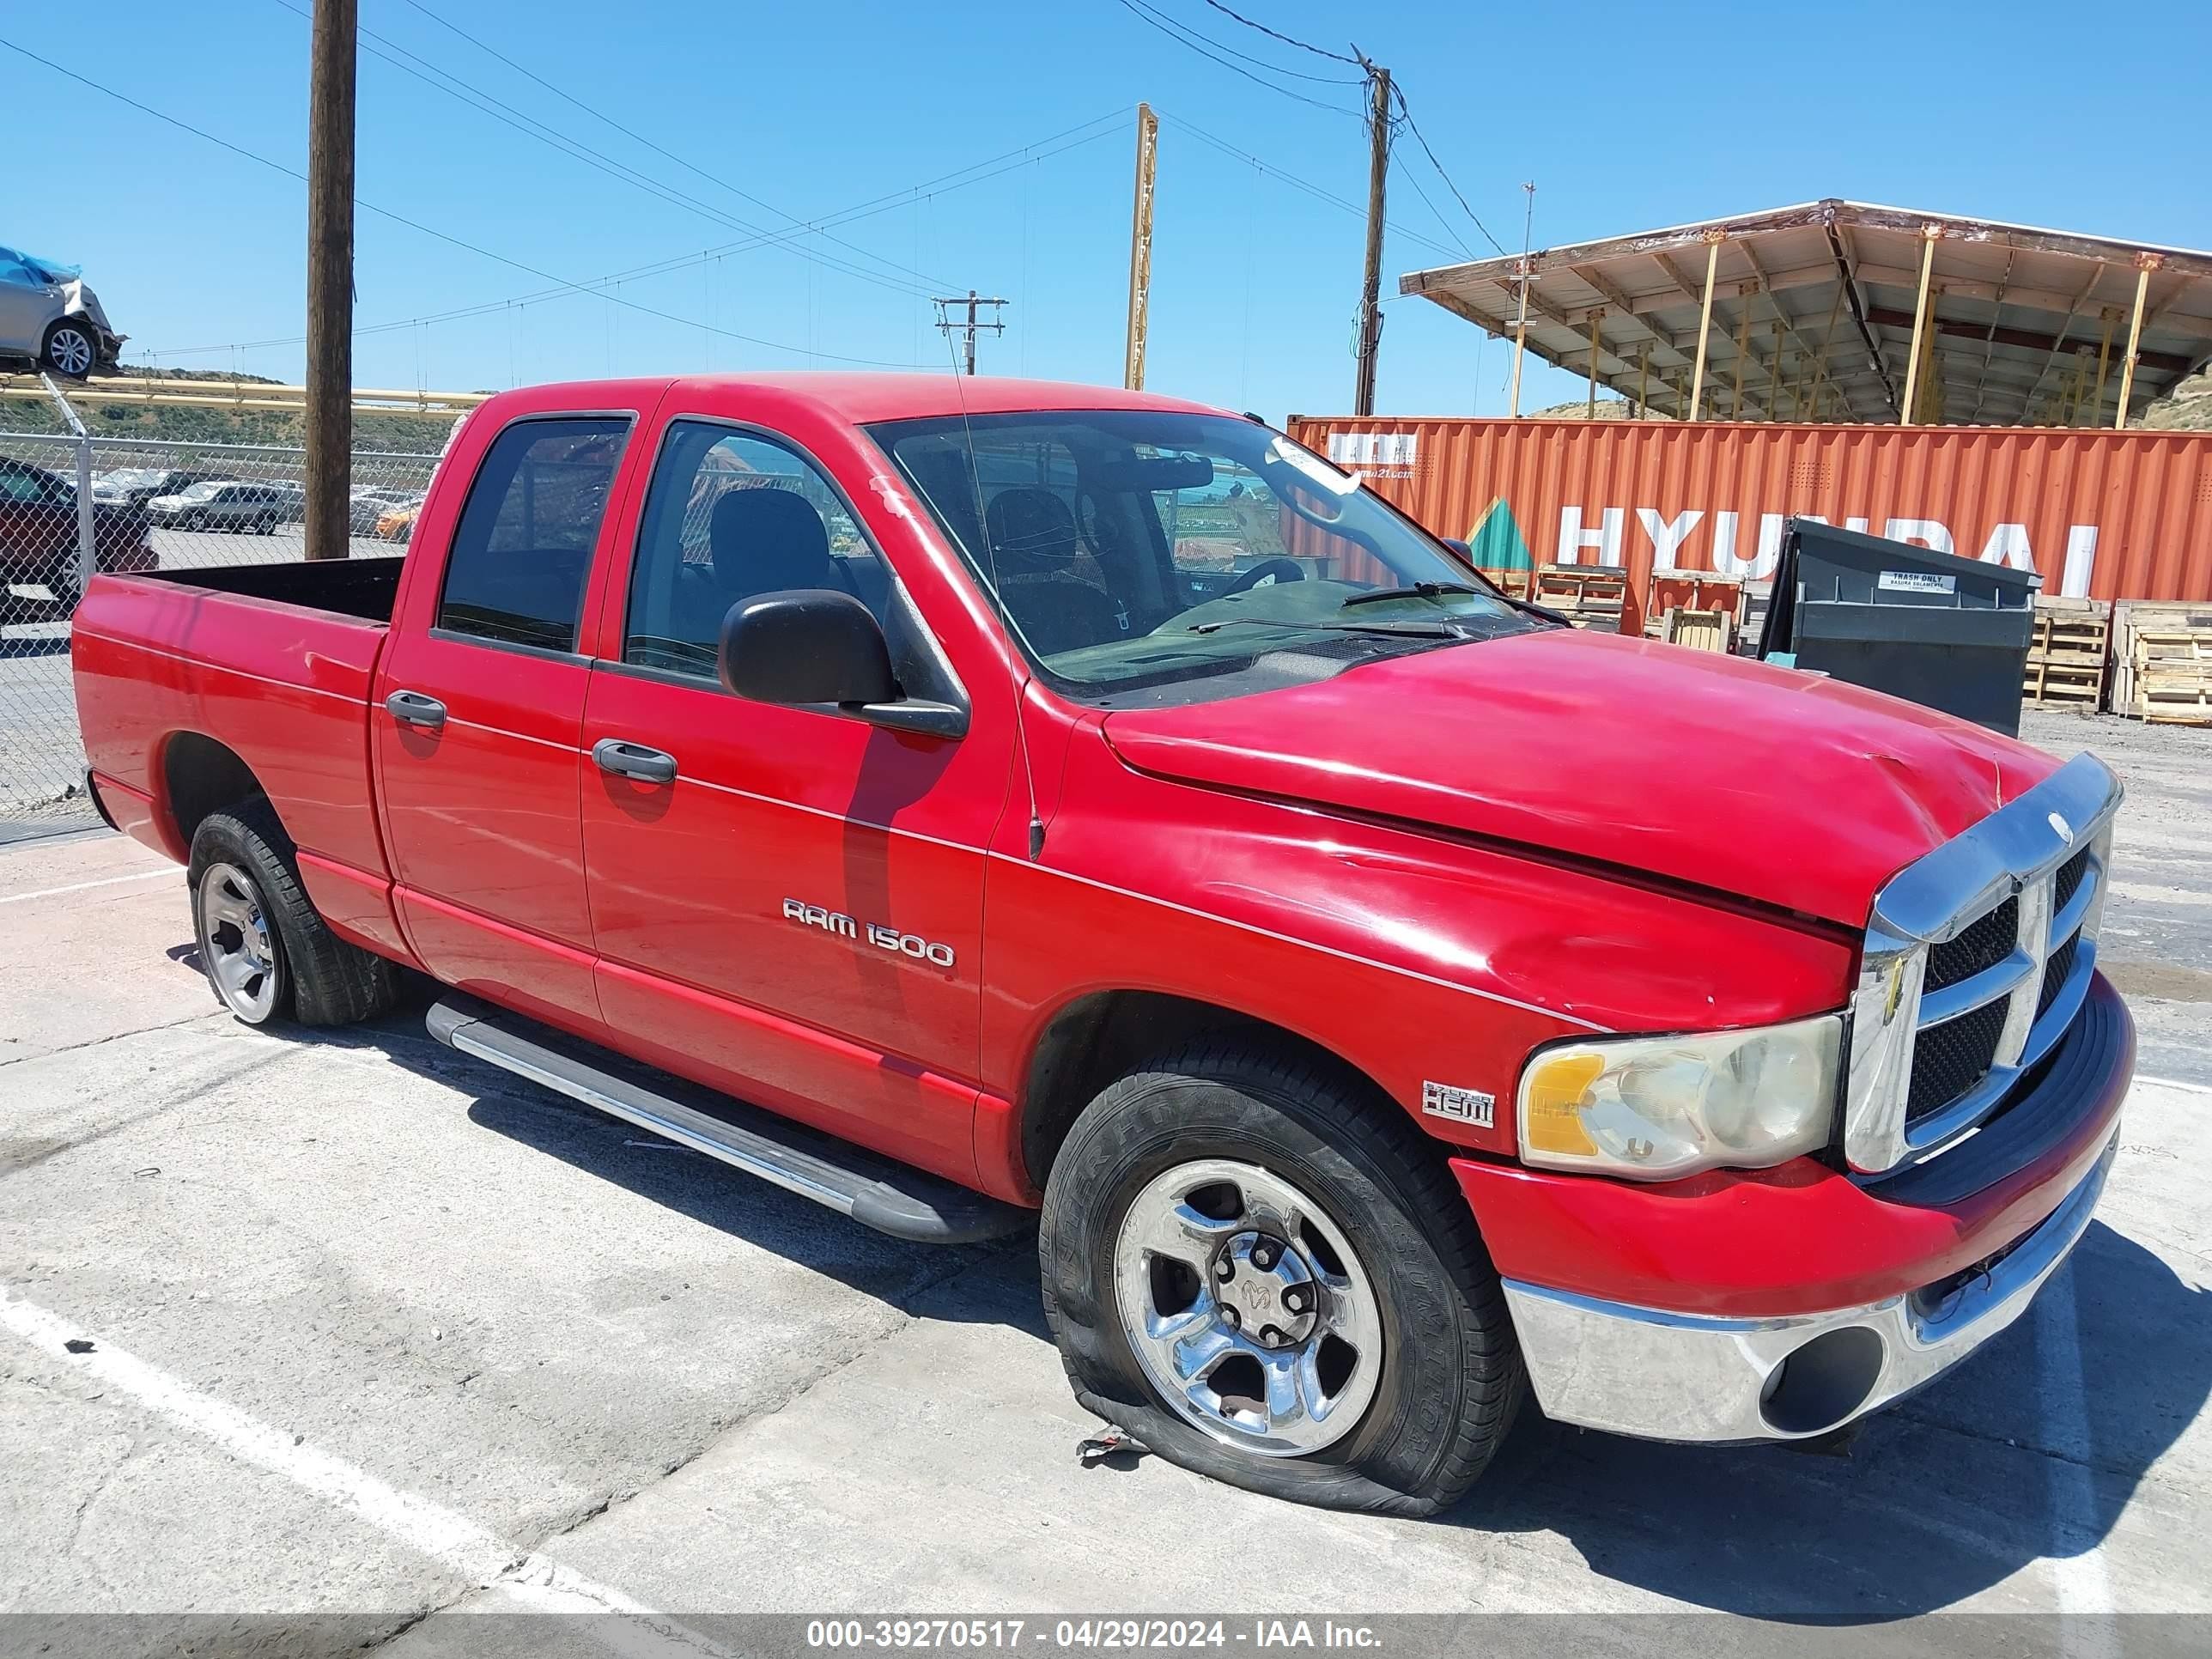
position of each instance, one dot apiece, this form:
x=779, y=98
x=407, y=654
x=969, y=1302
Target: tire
x=1448, y=1380
x=70, y=349
x=265, y=524
x=194, y=521
x=249, y=912
x=67, y=587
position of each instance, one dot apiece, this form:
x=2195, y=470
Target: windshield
x=1154, y=557
x=130, y=477
x=199, y=492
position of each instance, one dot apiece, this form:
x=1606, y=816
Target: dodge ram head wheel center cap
x=234, y=941
x=1247, y=1309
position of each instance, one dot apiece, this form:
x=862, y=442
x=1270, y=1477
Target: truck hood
x=1783, y=787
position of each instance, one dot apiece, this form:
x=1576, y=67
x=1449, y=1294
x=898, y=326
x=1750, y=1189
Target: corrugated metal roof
x=1813, y=312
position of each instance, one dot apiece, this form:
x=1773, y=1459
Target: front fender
x=1418, y=958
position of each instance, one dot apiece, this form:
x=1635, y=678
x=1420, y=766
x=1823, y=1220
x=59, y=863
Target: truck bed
x=275, y=663
x=363, y=588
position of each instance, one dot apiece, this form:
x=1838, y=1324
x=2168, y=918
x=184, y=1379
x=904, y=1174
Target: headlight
x=1653, y=1108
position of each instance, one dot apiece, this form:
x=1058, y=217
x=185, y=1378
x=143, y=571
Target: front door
x=788, y=901
x=481, y=705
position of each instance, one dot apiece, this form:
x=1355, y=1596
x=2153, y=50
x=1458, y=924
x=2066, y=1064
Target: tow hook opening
x=1821, y=1384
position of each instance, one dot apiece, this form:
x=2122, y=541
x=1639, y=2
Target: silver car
x=49, y=317
x=222, y=505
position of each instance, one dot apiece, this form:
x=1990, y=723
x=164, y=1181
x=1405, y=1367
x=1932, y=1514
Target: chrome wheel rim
x=71, y=351
x=1248, y=1308
x=235, y=942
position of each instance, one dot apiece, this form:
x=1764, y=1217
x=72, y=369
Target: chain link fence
x=70, y=505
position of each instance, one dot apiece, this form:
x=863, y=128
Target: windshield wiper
x=1416, y=591
x=1437, y=590
x=1416, y=632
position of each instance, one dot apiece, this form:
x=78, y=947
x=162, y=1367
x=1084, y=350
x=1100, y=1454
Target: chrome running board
x=875, y=1191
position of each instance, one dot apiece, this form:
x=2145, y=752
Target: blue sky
x=1625, y=117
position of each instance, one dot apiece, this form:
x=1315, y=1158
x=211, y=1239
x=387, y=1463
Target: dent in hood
x=1783, y=787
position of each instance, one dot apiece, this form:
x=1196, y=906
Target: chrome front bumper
x=1687, y=1377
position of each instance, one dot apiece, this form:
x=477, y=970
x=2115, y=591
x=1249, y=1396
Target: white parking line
x=105, y=881
x=2087, y=1627
x=525, y=1579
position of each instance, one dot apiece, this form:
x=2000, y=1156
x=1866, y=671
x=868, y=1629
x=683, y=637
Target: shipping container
x=2097, y=514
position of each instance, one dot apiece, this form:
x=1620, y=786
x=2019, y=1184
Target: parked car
x=38, y=533
x=396, y=522
x=135, y=486
x=1394, y=1001
x=220, y=504
x=50, y=320
x=367, y=503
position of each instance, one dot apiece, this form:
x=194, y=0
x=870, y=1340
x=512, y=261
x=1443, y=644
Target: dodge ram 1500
x=1028, y=798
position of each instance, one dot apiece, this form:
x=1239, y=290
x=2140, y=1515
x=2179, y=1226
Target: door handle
x=633, y=760
x=413, y=709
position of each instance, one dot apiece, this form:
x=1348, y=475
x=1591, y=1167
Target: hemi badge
x=1459, y=1105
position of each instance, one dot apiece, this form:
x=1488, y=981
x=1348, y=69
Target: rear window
x=523, y=547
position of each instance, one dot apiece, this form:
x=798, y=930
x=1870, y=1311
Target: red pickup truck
x=1029, y=797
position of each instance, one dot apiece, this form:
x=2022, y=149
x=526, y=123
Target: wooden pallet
x=2133, y=619
x=1674, y=589
x=1700, y=630
x=2066, y=654
x=1589, y=595
x=2173, y=676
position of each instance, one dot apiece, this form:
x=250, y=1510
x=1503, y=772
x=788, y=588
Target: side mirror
x=805, y=645
x=811, y=646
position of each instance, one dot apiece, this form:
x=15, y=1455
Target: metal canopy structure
x=1844, y=311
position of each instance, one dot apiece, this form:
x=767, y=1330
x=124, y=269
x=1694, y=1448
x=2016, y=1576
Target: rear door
x=482, y=693
x=788, y=901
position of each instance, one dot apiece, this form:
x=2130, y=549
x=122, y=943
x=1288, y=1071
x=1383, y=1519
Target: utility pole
x=1521, y=311
x=1370, y=284
x=945, y=325
x=330, y=277
x=1140, y=249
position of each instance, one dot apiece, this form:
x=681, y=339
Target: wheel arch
x=1095, y=1038
x=199, y=775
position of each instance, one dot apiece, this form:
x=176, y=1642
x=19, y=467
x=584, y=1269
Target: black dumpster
x=1949, y=632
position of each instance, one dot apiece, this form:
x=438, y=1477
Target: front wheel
x=1268, y=1276
x=70, y=349
x=196, y=521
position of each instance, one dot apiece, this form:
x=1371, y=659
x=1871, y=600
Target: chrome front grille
x=1976, y=959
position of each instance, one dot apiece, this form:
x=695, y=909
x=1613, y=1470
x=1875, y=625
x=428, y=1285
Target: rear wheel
x=267, y=524
x=70, y=349
x=265, y=951
x=1270, y=1278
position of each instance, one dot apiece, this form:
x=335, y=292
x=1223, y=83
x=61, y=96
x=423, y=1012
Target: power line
x=440, y=235
x=1406, y=114
x=1297, y=183
x=1303, y=45
x=975, y=173
x=1246, y=57
x=1205, y=49
x=638, y=138
x=476, y=99
x=1407, y=173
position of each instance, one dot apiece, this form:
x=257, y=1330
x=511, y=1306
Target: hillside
x=405, y=434
x=2187, y=408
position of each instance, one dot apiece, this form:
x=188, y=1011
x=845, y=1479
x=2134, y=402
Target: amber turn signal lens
x=1555, y=1093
